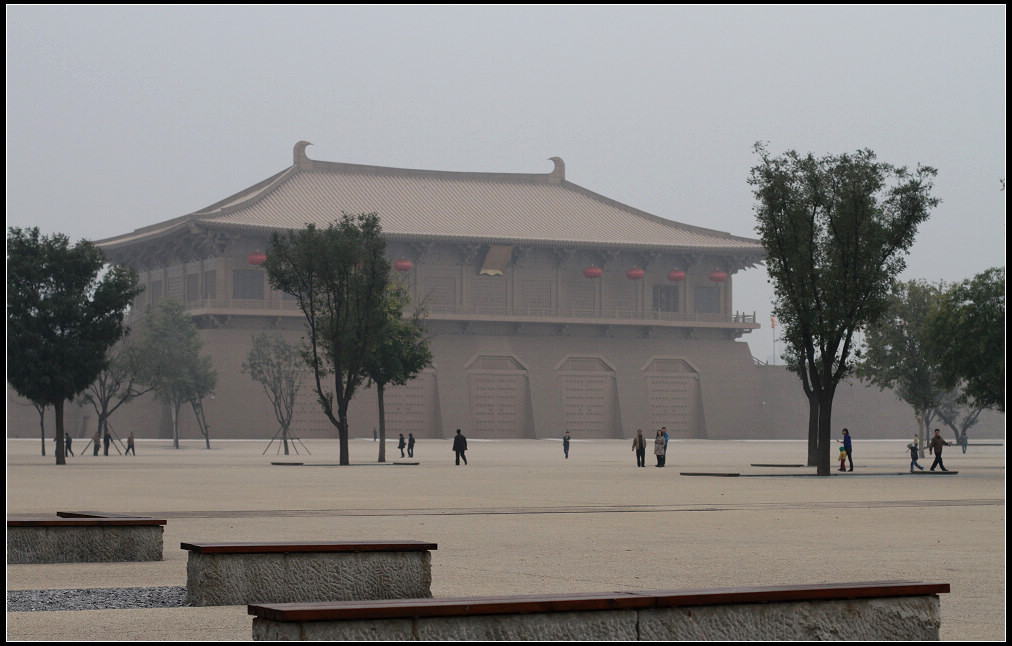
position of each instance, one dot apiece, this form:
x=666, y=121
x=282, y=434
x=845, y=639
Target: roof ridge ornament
x=299, y=157
x=558, y=174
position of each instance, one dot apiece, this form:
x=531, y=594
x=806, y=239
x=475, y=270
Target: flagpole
x=773, y=326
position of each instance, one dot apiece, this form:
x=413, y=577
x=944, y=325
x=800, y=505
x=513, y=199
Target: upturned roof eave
x=736, y=246
x=207, y=219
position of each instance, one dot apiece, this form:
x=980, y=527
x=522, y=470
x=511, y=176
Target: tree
x=65, y=309
x=896, y=354
x=956, y=416
x=835, y=229
x=204, y=380
x=401, y=354
x=968, y=338
x=115, y=385
x=277, y=365
x=170, y=363
x=338, y=276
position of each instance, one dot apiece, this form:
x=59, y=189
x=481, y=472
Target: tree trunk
x=61, y=457
x=174, y=408
x=42, y=428
x=342, y=433
x=825, y=431
x=382, y=423
x=813, y=430
x=284, y=439
x=922, y=433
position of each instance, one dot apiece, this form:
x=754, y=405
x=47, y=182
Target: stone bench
x=891, y=610
x=84, y=540
x=228, y=574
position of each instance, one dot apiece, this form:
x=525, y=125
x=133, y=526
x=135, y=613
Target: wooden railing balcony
x=521, y=314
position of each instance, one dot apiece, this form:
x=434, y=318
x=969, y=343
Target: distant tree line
x=68, y=338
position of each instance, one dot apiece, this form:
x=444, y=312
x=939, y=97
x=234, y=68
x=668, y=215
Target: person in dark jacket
x=848, y=448
x=936, y=447
x=639, y=445
x=459, y=446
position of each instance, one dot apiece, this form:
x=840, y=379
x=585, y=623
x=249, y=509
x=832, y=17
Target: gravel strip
x=96, y=599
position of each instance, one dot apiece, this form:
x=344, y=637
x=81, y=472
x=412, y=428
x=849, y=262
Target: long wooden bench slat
x=96, y=514
x=448, y=607
x=814, y=592
x=526, y=604
x=83, y=522
x=321, y=546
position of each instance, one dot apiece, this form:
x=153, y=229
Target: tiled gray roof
x=491, y=208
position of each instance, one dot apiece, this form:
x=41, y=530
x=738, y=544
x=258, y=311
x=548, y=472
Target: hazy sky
x=121, y=117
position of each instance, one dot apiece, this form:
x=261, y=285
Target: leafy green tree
x=65, y=309
x=338, y=275
x=968, y=338
x=278, y=366
x=401, y=354
x=836, y=230
x=895, y=351
x=171, y=365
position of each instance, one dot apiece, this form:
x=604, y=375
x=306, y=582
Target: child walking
x=913, y=456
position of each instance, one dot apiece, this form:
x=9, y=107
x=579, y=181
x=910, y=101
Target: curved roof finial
x=299, y=155
x=558, y=174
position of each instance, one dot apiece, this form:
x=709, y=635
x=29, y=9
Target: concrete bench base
x=84, y=540
x=865, y=611
x=219, y=574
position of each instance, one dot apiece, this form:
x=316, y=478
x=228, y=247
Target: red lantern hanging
x=592, y=272
x=403, y=265
x=257, y=258
x=635, y=273
x=676, y=275
x=718, y=276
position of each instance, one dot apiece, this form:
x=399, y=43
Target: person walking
x=67, y=442
x=94, y=443
x=659, y=449
x=411, y=445
x=936, y=447
x=401, y=444
x=913, y=456
x=639, y=445
x=459, y=447
x=130, y=444
x=565, y=444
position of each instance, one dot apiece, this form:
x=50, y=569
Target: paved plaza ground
x=521, y=519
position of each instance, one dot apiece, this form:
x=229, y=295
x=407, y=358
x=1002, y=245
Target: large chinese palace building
x=550, y=307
